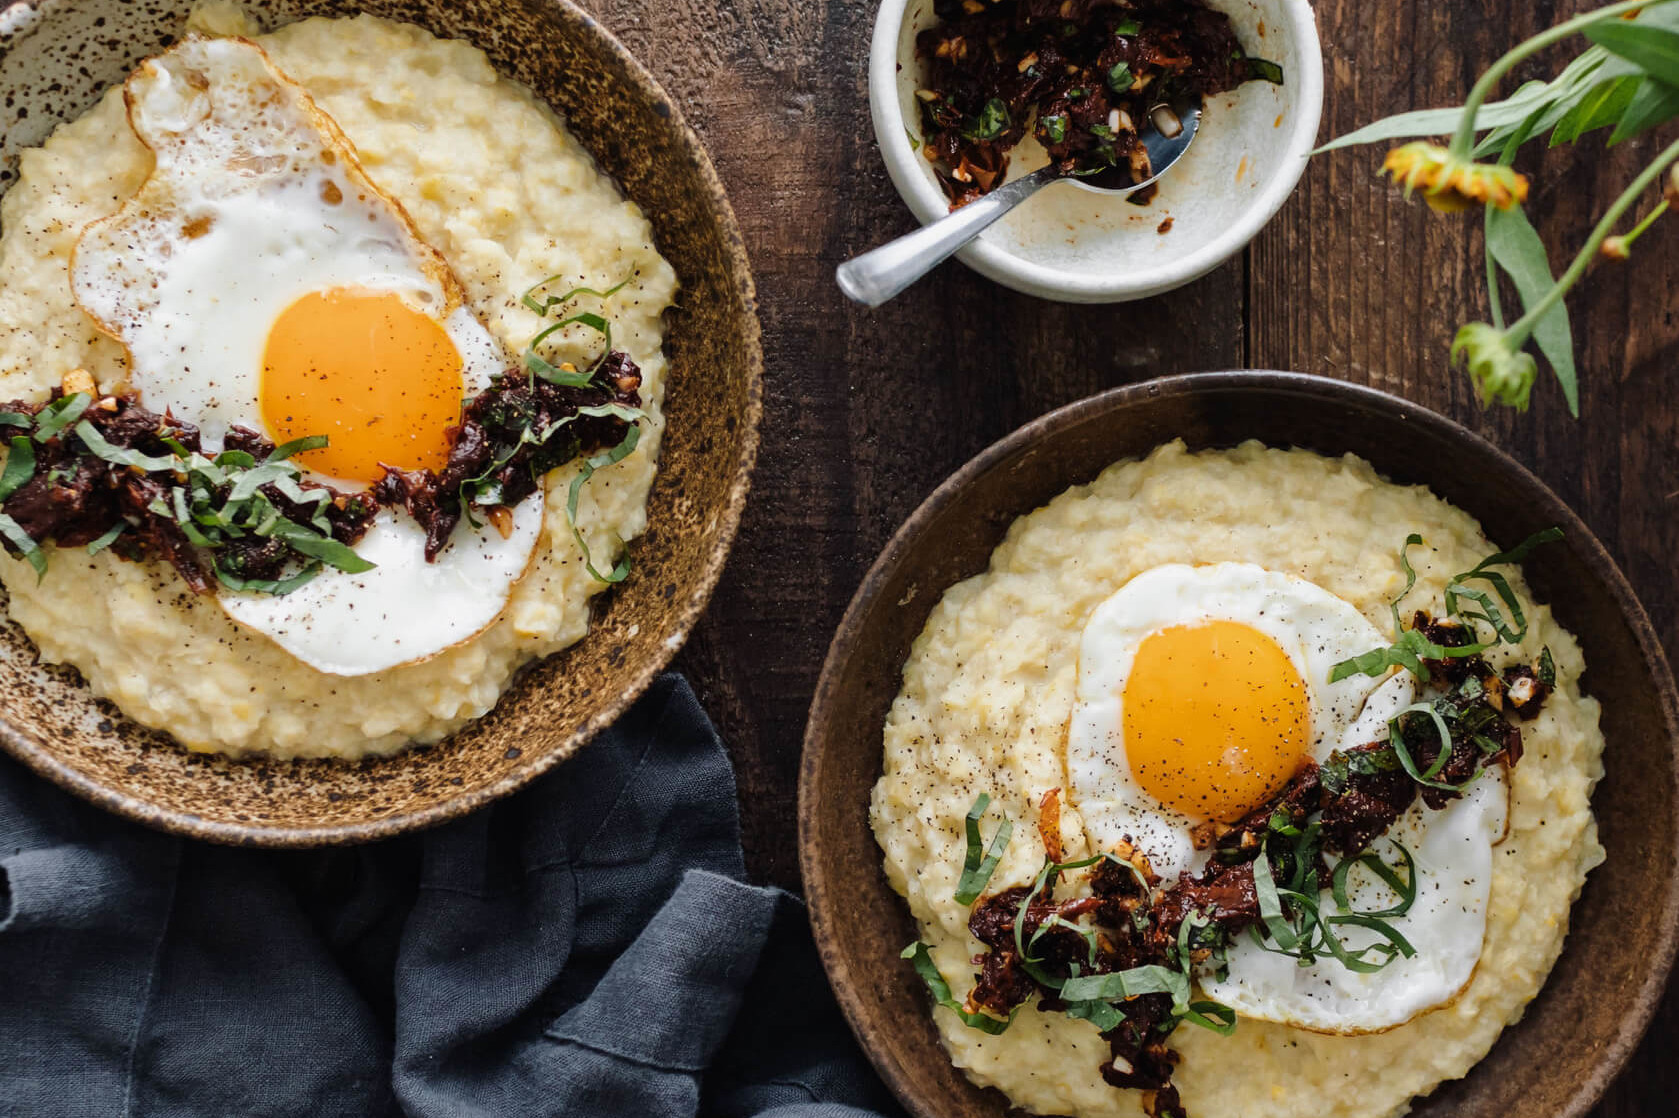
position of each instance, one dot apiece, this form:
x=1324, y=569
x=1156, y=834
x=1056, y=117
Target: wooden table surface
x=867, y=411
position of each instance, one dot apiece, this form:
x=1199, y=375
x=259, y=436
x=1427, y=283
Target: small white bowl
x=1079, y=247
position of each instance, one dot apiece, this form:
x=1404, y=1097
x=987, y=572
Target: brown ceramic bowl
x=1588, y=1019
x=56, y=57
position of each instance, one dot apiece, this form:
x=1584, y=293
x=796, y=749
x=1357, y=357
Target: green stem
x=1642, y=227
x=1523, y=329
x=1463, y=141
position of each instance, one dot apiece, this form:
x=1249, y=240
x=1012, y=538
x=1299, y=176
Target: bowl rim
x=698, y=592
x=1635, y=1021
x=928, y=203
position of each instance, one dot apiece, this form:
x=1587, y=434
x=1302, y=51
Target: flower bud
x=1501, y=373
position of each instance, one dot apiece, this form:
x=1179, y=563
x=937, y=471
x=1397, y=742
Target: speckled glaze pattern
x=1623, y=930
x=56, y=58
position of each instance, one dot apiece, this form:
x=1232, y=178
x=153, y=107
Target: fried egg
x=1452, y=850
x=260, y=278
x=1201, y=692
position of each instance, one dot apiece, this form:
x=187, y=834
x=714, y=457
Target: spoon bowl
x=1079, y=246
x=882, y=273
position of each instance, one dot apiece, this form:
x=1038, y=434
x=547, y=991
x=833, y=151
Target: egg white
x=255, y=201
x=404, y=609
x=1452, y=850
x=1316, y=629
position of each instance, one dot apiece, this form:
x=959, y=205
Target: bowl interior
x=56, y=58
x=1252, y=141
x=1599, y=998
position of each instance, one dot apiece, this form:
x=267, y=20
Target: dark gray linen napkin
x=587, y=947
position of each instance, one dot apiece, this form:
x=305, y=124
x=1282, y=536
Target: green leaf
x=20, y=539
x=1271, y=905
x=108, y=538
x=981, y=863
x=1439, y=122
x=1655, y=104
x=590, y=465
x=1601, y=106
x=20, y=466
x=1405, y=886
x=284, y=450
x=253, y=479
x=992, y=121
x=1099, y=1013
x=306, y=541
x=1407, y=761
x=1644, y=43
x=1263, y=69
x=120, y=456
x=277, y=587
x=1221, y=1019
x=1133, y=983
x=540, y=366
x=1120, y=78
x=548, y=303
x=922, y=960
x=1515, y=246
x=1412, y=540
x=60, y=414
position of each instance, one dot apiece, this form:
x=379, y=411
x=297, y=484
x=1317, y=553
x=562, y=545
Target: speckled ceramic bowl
x=1623, y=930
x=56, y=58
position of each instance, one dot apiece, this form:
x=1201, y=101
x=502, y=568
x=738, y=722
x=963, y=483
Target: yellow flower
x=1450, y=183
x=1501, y=373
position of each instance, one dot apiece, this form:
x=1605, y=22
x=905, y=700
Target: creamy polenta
x=986, y=698
x=492, y=180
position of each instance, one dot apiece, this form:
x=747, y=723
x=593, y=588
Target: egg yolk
x=381, y=380
x=1216, y=719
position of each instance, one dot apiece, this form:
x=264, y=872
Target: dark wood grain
x=868, y=410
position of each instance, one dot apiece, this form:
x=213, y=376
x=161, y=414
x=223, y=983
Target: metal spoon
x=882, y=273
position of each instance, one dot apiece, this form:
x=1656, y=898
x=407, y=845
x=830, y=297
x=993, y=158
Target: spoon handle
x=882, y=273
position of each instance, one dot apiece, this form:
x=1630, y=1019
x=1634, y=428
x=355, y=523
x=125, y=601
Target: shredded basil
x=1265, y=70
x=1407, y=761
x=116, y=455
x=1410, y=647
x=1120, y=78
x=992, y=121
x=20, y=466
x=922, y=960
x=281, y=452
x=306, y=541
x=60, y=414
x=981, y=863
x=279, y=588
x=600, y=461
x=550, y=302
x=31, y=551
x=108, y=538
x=1405, y=886
x=1055, y=128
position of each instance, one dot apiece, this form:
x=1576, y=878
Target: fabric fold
x=586, y=947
